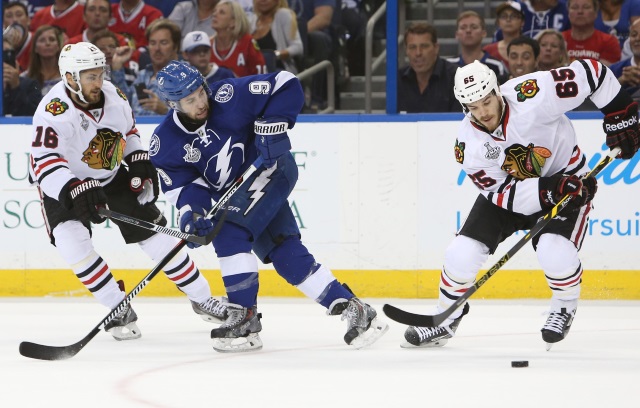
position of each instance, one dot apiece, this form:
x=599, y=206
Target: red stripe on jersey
x=576, y=156
x=187, y=272
x=48, y=163
x=500, y=200
x=96, y=276
x=595, y=66
x=133, y=131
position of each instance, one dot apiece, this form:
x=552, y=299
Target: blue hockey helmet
x=178, y=80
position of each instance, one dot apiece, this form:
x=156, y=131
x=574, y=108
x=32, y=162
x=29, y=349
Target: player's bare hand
x=153, y=103
x=121, y=56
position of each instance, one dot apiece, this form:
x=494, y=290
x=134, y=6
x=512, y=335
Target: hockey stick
x=204, y=240
x=44, y=352
x=413, y=319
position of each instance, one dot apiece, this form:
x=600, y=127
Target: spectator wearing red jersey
x=131, y=19
x=97, y=14
x=19, y=37
x=510, y=19
x=583, y=40
x=65, y=14
x=232, y=46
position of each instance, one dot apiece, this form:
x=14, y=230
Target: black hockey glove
x=272, y=140
x=143, y=177
x=622, y=130
x=84, y=197
x=553, y=188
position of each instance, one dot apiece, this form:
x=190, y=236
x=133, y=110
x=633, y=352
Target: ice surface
x=305, y=363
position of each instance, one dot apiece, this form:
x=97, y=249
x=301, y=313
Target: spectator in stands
x=553, y=50
x=20, y=94
x=275, y=29
x=232, y=46
x=628, y=71
x=196, y=50
x=470, y=33
x=65, y=14
x=354, y=20
x=510, y=19
x=523, y=56
x=117, y=57
x=194, y=15
x=426, y=84
x=583, y=40
x=131, y=18
x=96, y=16
x=20, y=37
x=318, y=16
x=615, y=17
x=543, y=14
x=43, y=62
x=163, y=37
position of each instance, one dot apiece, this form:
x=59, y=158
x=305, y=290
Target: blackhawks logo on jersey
x=527, y=90
x=458, y=150
x=120, y=94
x=56, y=107
x=525, y=162
x=105, y=150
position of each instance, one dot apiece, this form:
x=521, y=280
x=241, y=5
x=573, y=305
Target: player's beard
x=192, y=124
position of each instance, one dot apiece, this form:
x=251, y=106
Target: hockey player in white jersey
x=519, y=148
x=205, y=143
x=83, y=133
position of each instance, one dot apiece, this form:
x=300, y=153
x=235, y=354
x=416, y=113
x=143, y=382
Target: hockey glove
x=143, y=177
x=193, y=221
x=622, y=130
x=553, y=188
x=272, y=140
x=85, y=196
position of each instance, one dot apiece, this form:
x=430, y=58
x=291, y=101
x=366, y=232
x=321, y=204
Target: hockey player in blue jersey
x=208, y=139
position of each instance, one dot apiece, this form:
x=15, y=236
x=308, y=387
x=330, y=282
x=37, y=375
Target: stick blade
x=410, y=319
x=42, y=352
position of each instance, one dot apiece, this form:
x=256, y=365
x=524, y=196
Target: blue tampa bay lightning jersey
x=213, y=156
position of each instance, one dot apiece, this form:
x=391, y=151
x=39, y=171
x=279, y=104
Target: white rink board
x=371, y=195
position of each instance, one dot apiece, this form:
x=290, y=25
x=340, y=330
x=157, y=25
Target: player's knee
x=232, y=239
x=73, y=241
x=558, y=257
x=292, y=260
x=464, y=257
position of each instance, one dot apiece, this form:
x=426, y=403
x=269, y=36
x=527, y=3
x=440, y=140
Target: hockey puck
x=520, y=364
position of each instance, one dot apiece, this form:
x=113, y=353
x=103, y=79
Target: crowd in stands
x=530, y=36
x=224, y=38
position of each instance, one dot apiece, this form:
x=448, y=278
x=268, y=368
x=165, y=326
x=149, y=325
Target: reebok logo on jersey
x=262, y=128
x=610, y=127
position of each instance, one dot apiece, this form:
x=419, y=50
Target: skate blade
x=376, y=330
x=548, y=346
x=434, y=344
x=132, y=332
x=211, y=319
x=237, y=345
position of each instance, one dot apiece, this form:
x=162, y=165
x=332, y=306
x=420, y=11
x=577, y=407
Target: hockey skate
x=123, y=326
x=212, y=310
x=239, y=332
x=363, y=327
x=558, y=323
x=433, y=336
